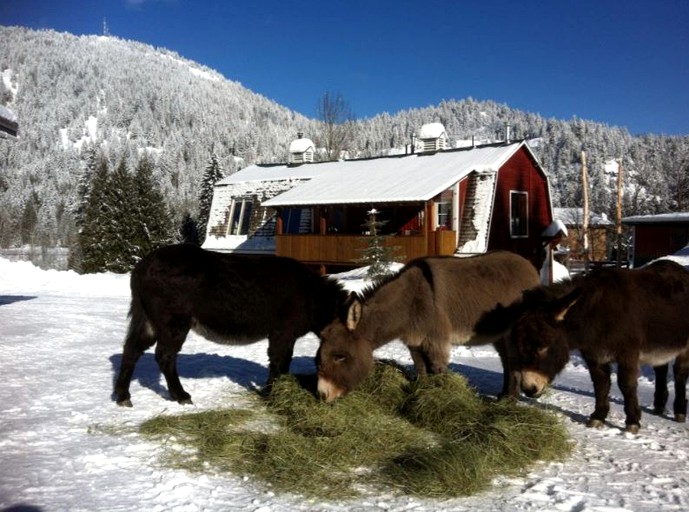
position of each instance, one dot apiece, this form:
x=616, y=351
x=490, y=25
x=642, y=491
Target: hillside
x=71, y=93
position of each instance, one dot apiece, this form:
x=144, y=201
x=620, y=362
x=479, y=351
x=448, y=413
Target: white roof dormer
x=432, y=137
x=301, y=150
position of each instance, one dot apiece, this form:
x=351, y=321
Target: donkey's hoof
x=633, y=428
x=185, y=401
x=594, y=423
x=125, y=403
x=658, y=411
x=680, y=418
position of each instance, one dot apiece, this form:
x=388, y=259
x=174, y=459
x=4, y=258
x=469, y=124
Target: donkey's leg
x=660, y=395
x=681, y=373
x=435, y=353
x=139, y=338
x=420, y=358
x=280, y=351
x=628, y=382
x=600, y=376
x=169, y=344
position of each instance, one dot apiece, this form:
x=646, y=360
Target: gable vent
x=301, y=150
x=432, y=137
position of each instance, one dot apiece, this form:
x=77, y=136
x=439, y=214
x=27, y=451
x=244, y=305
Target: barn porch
x=336, y=235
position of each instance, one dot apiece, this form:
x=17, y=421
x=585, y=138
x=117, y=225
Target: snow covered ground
x=61, y=337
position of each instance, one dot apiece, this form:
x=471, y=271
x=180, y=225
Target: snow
x=431, y=131
x=301, y=145
x=65, y=445
x=90, y=135
x=7, y=75
x=416, y=177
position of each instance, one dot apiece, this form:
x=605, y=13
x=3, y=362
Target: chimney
x=508, y=134
x=300, y=135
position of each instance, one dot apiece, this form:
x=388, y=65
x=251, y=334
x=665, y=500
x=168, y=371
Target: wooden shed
x=657, y=235
x=448, y=202
x=599, y=228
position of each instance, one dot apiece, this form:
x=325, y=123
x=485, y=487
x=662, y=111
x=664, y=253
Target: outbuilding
x=657, y=235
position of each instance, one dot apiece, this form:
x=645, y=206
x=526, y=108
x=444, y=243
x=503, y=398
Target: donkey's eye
x=339, y=358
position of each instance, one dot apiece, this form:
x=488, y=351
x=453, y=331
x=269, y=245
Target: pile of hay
x=434, y=437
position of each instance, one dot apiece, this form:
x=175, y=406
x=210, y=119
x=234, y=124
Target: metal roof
x=661, y=218
x=415, y=177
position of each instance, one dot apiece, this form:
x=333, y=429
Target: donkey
x=631, y=317
x=430, y=304
x=226, y=298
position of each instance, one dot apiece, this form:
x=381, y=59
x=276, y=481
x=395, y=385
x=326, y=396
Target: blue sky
x=623, y=63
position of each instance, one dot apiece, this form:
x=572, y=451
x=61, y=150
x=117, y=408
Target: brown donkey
x=628, y=317
x=430, y=304
x=227, y=298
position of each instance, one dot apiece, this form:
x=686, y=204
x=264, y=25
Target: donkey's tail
x=140, y=334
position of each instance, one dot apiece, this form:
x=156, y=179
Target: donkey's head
x=539, y=339
x=345, y=356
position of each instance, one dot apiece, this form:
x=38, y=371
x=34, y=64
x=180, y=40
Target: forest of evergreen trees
x=96, y=108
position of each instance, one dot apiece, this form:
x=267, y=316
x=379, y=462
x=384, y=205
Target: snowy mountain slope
x=128, y=98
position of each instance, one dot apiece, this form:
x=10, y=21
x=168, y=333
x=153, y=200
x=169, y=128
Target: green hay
x=434, y=437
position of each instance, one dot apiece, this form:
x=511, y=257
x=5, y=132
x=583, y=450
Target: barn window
x=296, y=221
x=519, y=214
x=240, y=216
x=444, y=210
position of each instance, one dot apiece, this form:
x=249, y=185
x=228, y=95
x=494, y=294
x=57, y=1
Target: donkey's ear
x=354, y=315
x=562, y=306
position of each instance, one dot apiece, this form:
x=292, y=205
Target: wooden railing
x=347, y=249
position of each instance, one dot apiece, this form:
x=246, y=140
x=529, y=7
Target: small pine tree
x=211, y=176
x=189, y=231
x=377, y=255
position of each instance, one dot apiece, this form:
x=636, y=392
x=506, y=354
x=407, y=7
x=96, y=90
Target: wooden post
x=618, y=223
x=585, y=220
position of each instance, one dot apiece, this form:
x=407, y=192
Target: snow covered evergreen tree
x=90, y=254
x=189, y=231
x=211, y=176
x=152, y=222
x=120, y=224
x=377, y=255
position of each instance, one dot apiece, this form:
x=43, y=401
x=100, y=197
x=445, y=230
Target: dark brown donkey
x=226, y=298
x=631, y=317
x=430, y=304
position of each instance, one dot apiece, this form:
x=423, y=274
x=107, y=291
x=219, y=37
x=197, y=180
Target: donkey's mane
x=370, y=290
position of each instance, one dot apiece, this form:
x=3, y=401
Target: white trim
x=523, y=193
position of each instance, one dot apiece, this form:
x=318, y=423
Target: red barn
x=433, y=201
x=657, y=235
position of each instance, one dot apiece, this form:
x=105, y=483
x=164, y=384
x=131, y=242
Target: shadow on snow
x=10, y=299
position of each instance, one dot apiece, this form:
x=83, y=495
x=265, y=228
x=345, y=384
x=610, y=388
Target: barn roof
x=406, y=178
x=575, y=217
x=662, y=218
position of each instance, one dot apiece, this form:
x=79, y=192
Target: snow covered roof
x=9, y=124
x=663, y=218
x=416, y=177
x=575, y=216
x=277, y=172
x=555, y=227
x=8, y=114
x=431, y=131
